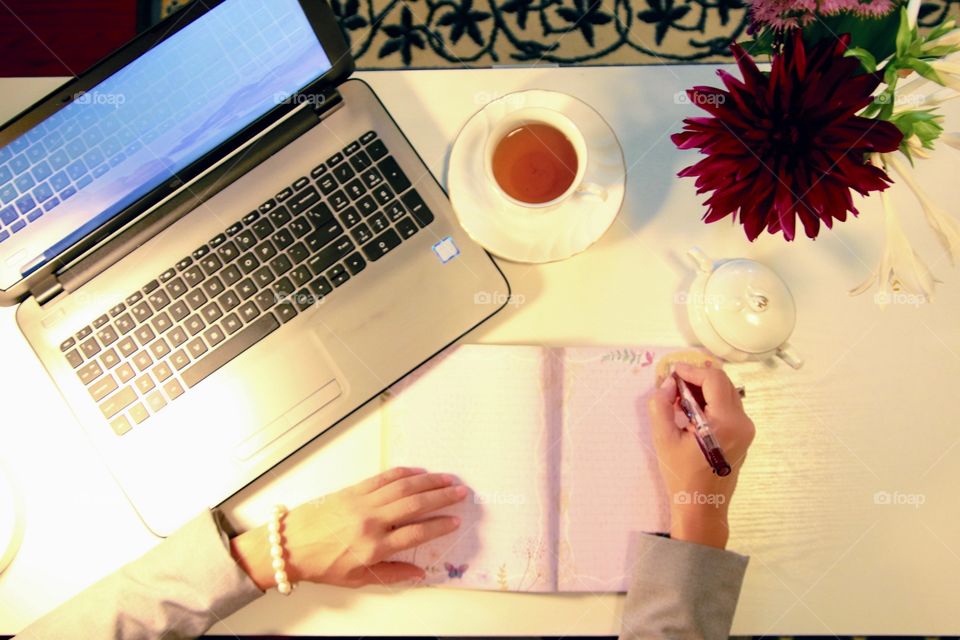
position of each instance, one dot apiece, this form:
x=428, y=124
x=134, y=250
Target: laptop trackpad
x=313, y=403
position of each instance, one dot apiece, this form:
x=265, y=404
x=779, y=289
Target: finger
x=413, y=507
x=411, y=485
x=381, y=480
x=662, y=412
x=417, y=533
x=716, y=385
x=391, y=573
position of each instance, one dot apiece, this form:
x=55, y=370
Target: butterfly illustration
x=455, y=572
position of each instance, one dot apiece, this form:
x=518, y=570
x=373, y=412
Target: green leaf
x=865, y=57
x=923, y=69
x=904, y=34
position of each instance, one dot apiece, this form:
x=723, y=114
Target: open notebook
x=554, y=444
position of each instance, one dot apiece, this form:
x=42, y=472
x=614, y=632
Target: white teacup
x=539, y=115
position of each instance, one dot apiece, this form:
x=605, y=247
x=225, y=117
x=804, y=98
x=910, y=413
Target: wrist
x=707, y=528
x=251, y=550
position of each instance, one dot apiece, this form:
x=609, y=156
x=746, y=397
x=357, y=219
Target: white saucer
x=11, y=521
x=530, y=235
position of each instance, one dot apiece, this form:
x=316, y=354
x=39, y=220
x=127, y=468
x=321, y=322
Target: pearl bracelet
x=274, y=527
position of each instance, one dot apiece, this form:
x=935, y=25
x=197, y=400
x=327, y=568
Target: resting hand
x=344, y=538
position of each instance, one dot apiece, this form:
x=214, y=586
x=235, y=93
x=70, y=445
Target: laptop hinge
x=47, y=289
x=326, y=101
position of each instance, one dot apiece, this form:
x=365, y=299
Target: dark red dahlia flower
x=788, y=143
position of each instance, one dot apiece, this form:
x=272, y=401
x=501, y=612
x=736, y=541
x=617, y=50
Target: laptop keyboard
x=315, y=236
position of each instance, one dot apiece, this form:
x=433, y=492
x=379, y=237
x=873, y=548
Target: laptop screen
x=112, y=145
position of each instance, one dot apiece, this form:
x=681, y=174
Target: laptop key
x=194, y=324
x=99, y=322
x=323, y=236
x=142, y=312
x=249, y=311
x=229, y=300
x=265, y=299
x=351, y=148
x=301, y=275
x=196, y=348
x=300, y=227
x=250, y=217
x=395, y=176
x=138, y=413
x=211, y=313
x=343, y=172
x=283, y=239
x=84, y=333
x=142, y=361
x=180, y=360
x=377, y=149
x=162, y=371
x=334, y=159
x=125, y=373
x=280, y=216
x=367, y=205
x=156, y=401
x=214, y=336
x=368, y=137
x=381, y=245
x=199, y=253
x=339, y=201
x=193, y=276
x=162, y=322
x=320, y=287
x=407, y=228
x=120, y=425
x=379, y=223
x=267, y=206
x=107, y=336
x=303, y=200
x=167, y=275
x=320, y=215
x=383, y=194
x=372, y=178
x=145, y=383
x=173, y=389
x=150, y=287
x=355, y=263
x=74, y=358
x=350, y=218
x=395, y=210
x=246, y=288
x=134, y=298
x=117, y=310
x=159, y=300
x=196, y=299
x=176, y=288
x=231, y=324
x=230, y=275
x=246, y=240
x=125, y=324
x=213, y=287
x=303, y=299
x=234, y=229
x=127, y=347
x=330, y=255
x=217, y=240
x=179, y=310
x=319, y=171
x=361, y=161
x=265, y=250
x=89, y=372
x=327, y=185
x=228, y=251
x=211, y=264
x=283, y=195
x=160, y=349
x=118, y=402
x=338, y=275
x=280, y=265
x=416, y=206
x=248, y=263
x=285, y=312
x=230, y=349
x=89, y=348
x=184, y=263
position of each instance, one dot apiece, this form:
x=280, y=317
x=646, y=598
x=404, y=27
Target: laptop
x=221, y=246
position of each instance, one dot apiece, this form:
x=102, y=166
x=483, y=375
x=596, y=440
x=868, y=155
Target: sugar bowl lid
x=749, y=306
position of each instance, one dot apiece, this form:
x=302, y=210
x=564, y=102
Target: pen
x=691, y=406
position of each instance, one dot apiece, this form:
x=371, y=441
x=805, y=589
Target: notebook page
x=611, y=486
x=477, y=411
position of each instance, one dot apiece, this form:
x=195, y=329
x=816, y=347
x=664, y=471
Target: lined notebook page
x=478, y=412
x=611, y=486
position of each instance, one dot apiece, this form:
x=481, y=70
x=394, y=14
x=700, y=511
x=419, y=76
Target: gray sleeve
x=682, y=590
x=179, y=589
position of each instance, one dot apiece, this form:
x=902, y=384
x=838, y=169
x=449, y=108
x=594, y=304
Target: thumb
x=393, y=572
x=661, y=409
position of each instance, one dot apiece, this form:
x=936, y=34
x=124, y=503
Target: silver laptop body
x=212, y=405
